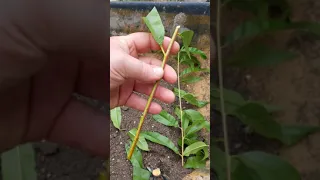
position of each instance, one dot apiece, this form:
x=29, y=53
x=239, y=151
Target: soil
x=293, y=85
x=158, y=156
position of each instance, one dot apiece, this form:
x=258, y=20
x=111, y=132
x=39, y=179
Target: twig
x=223, y=113
x=165, y=58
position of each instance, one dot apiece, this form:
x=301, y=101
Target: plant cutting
x=194, y=151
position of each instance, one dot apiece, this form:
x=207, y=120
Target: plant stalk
x=223, y=113
x=165, y=58
x=180, y=104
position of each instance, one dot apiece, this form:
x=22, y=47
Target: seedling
x=258, y=116
x=189, y=121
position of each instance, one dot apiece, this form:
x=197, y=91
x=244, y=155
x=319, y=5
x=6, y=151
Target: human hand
x=130, y=72
x=46, y=55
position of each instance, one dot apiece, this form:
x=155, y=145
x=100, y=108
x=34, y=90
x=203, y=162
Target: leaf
x=258, y=55
x=232, y=100
x=257, y=27
x=116, y=117
x=160, y=139
x=195, y=162
x=193, y=69
x=194, y=115
x=291, y=134
x=185, y=121
x=267, y=166
x=186, y=37
x=178, y=112
x=142, y=143
x=196, y=51
x=269, y=108
x=140, y=174
x=239, y=171
x=205, y=153
x=190, y=98
x=219, y=159
x=195, y=127
x=257, y=117
x=166, y=119
x=194, y=148
x=136, y=159
x=154, y=23
x=190, y=79
x=19, y=163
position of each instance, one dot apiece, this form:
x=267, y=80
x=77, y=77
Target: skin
x=47, y=54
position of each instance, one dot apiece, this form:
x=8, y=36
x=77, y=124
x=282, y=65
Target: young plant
x=255, y=165
x=191, y=121
x=154, y=23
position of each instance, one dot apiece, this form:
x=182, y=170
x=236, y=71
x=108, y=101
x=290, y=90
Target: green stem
x=223, y=113
x=180, y=104
x=146, y=109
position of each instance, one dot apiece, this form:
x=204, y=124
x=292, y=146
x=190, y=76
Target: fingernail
x=158, y=71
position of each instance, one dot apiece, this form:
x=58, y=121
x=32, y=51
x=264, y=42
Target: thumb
x=141, y=71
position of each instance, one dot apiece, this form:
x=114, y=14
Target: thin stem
x=163, y=52
x=165, y=58
x=180, y=104
x=223, y=113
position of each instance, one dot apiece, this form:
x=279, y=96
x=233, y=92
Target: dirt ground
x=293, y=85
x=158, y=156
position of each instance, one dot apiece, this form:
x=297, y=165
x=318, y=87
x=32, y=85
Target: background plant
x=267, y=18
x=189, y=121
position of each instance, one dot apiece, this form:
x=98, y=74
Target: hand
x=46, y=55
x=130, y=72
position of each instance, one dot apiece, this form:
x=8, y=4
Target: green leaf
x=190, y=79
x=140, y=174
x=193, y=69
x=177, y=112
x=194, y=148
x=232, y=100
x=205, y=153
x=291, y=134
x=185, y=121
x=240, y=171
x=160, y=139
x=136, y=159
x=258, y=118
x=196, y=51
x=194, y=115
x=195, y=162
x=116, y=117
x=258, y=27
x=19, y=163
x=195, y=127
x=267, y=166
x=166, y=119
x=219, y=158
x=186, y=37
x=154, y=23
x=142, y=143
x=270, y=108
x=258, y=55
x=190, y=98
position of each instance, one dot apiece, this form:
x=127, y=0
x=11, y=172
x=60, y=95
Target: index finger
x=142, y=42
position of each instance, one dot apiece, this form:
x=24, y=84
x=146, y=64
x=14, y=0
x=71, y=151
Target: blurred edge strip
x=194, y=8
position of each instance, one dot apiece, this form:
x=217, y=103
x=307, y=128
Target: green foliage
x=190, y=98
x=142, y=143
x=19, y=163
x=166, y=119
x=154, y=24
x=250, y=51
x=258, y=55
x=160, y=139
x=139, y=173
x=116, y=117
